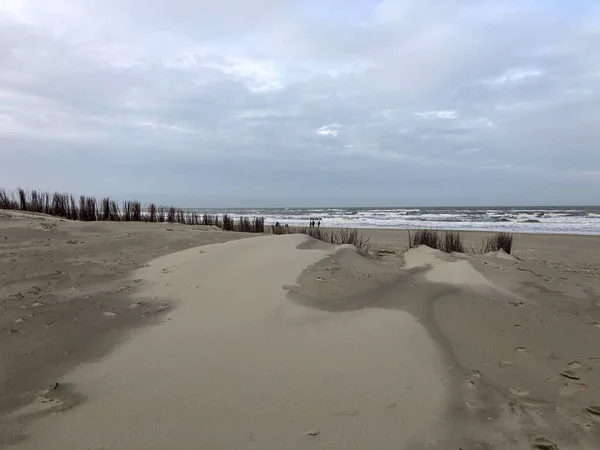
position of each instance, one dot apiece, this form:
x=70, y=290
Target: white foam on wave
x=534, y=220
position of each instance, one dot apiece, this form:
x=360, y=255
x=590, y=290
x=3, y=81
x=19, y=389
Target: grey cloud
x=387, y=102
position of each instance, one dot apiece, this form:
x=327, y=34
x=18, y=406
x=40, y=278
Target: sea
x=553, y=219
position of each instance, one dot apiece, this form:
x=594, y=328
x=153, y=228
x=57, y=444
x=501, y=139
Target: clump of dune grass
x=136, y=211
x=63, y=205
x=277, y=229
x=209, y=219
x=340, y=236
x=446, y=241
x=87, y=209
x=452, y=242
x=245, y=226
x=250, y=225
x=7, y=200
x=430, y=238
x=109, y=210
x=70, y=207
x=335, y=236
x=228, y=224
x=152, y=213
x=258, y=224
x=171, y=212
x=161, y=214
x=23, y=203
x=497, y=241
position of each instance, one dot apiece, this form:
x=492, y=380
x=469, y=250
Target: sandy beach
x=154, y=336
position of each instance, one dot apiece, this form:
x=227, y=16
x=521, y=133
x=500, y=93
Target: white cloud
x=329, y=130
x=479, y=122
x=264, y=114
x=513, y=76
x=260, y=76
x=448, y=114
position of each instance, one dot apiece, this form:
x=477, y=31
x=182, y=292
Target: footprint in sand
x=471, y=385
x=594, y=359
x=312, y=433
x=507, y=365
x=583, y=422
x=544, y=443
x=518, y=392
x=570, y=387
x=570, y=374
x=576, y=365
x=470, y=406
x=595, y=410
x=516, y=303
x=522, y=350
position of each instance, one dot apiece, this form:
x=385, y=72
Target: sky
x=241, y=103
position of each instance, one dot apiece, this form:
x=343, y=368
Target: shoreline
x=549, y=220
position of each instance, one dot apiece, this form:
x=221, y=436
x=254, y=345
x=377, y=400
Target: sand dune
x=285, y=342
x=236, y=365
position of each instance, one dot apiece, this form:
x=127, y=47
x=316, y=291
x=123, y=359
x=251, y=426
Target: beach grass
x=498, y=241
x=446, y=241
x=335, y=236
x=452, y=241
x=430, y=238
x=88, y=209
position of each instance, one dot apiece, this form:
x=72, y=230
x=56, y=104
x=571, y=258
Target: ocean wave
x=536, y=219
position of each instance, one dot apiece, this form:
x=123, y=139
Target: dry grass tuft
x=430, y=238
x=452, y=242
x=88, y=209
x=497, y=241
x=449, y=241
x=331, y=236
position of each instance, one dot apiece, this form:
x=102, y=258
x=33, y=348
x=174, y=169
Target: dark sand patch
x=66, y=296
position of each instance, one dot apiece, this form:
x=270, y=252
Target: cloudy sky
x=312, y=102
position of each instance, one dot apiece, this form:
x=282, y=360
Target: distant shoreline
x=551, y=220
x=467, y=232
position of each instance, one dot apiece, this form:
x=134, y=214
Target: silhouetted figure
x=319, y=224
